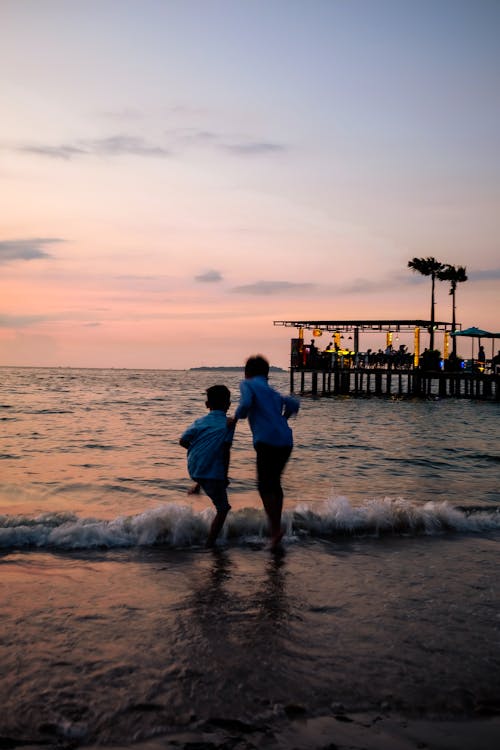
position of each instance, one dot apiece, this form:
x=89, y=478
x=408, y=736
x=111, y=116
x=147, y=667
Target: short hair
x=218, y=397
x=257, y=365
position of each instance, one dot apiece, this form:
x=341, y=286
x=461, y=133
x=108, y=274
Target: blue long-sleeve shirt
x=207, y=439
x=267, y=411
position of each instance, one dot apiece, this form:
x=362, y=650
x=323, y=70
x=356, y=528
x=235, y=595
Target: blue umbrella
x=475, y=333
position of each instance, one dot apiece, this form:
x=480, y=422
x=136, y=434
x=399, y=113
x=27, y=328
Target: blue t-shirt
x=267, y=411
x=207, y=437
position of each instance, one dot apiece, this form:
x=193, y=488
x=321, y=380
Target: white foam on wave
x=172, y=524
x=180, y=526
x=385, y=515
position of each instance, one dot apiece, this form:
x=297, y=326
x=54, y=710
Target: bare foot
x=276, y=541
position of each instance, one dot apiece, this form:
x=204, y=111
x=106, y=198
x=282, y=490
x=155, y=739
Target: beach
x=376, y=627
x=340, y=732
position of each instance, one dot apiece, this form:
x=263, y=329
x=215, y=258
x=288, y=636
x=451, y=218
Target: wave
x=175, y=525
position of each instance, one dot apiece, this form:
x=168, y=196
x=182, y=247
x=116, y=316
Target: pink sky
x=203, y=169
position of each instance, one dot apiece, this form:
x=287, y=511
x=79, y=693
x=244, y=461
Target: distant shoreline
x=236, y=368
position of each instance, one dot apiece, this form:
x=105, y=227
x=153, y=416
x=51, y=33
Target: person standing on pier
x=481, y=358
x=313, y=354
x=268, y=413
x=495, y=363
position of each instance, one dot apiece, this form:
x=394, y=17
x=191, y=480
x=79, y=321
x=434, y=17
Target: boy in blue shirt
x=208, y=442
x=268, y=413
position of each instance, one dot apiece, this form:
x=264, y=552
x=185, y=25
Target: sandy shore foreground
x=337, y=732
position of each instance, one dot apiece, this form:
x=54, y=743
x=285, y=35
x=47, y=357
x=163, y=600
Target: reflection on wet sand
x=237, y=627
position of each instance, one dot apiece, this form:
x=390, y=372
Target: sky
x=176, y=175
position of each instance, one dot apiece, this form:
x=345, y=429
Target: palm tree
x=455, y=275
x=428, y=267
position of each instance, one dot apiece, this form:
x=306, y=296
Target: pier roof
x=366, y=325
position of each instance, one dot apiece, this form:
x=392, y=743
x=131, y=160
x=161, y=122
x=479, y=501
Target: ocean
x=119, y=628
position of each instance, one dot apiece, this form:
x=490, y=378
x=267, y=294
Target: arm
x=290, y=406
x=246, y=399
x=188, y=436
x=227, y=458
x=186, y=443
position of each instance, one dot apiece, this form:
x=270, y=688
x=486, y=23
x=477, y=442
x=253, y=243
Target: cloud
x=209, y=276
x=238, y=145
x=21, y=321
x=369, y=286
x=253, y=148
x=410, y=278
x=182, y=138
x=493, y=274
x=192, y=136
x=263, y=288
x=399, y=280
x=115, y=145
x=391, y=282
x=65, y=316
x=54, y=152
x=12, y=250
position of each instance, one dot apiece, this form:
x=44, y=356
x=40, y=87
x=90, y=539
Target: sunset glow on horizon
x=177, y=175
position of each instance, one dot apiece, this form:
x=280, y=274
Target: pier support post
x=487, y=388
x=336, y=381
x=442, y=385
x=386, y=382
x=417, y=383
x=314, y=383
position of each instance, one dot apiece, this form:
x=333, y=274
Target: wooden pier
x=392, y=383
x=393, y=373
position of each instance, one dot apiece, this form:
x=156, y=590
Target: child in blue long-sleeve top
x=208, y=442
x=268, y=413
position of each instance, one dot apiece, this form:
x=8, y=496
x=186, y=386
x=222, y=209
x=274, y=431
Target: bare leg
x=271, y=461
x=216, y=527
x=273, y=505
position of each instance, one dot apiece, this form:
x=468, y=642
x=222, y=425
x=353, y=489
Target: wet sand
x=334, y=732
x=368, y=643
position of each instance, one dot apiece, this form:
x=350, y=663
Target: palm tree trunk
x=431, y=343
x=453, y=325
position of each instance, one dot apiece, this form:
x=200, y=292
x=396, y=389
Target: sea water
x=117, y=625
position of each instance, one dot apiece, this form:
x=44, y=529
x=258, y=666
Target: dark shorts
x=217, y=492
x=271, y=460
